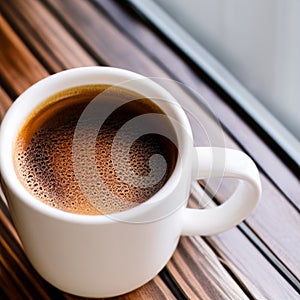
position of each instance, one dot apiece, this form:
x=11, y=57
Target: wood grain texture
x=105, y=42
x=242, y=258
x=275, y=221
x=41, y=37
x=17, y=62
x=239, y=255
x=52, y=44
x=200, y=272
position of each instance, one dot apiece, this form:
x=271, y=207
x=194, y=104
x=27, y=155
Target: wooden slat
x=99, y=37
x=241, y=257
x=5, y=103
x=150, y=291
x=276, y=222
x=267, y=222
x=200, y=272
x=51, y=42
x=18, y=68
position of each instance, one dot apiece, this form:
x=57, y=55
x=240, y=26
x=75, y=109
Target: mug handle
x=223, y=162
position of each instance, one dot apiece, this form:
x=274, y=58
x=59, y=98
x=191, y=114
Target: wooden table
x=259, y=259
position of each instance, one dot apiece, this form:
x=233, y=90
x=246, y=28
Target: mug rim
x=58, y=80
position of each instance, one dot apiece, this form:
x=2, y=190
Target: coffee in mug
x=43, y=154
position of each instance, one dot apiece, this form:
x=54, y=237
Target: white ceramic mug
x=108, y=255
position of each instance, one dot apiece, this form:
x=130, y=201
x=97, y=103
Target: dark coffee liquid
x=44, y=155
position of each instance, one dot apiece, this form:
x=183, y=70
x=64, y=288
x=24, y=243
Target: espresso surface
x=97, y=180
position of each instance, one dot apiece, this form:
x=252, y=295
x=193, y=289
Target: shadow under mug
x=108, y=255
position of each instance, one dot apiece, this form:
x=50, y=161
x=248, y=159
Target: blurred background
x=251, y=47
